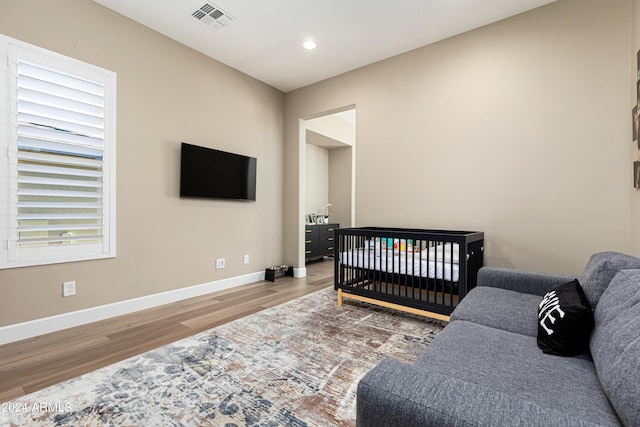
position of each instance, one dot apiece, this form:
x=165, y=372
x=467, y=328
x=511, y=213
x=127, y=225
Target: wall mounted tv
x=214, y=174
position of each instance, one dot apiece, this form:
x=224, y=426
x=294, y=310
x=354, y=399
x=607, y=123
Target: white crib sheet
x=400, y=263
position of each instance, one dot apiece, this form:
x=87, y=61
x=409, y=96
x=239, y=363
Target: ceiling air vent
x=212, y=16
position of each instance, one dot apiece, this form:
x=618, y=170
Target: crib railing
x=429, y=270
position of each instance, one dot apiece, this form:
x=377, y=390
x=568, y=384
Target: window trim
x=10, y=255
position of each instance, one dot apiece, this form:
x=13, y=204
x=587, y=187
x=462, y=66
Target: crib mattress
x=401, y=263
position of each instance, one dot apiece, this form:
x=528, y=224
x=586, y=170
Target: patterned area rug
x=297, y=364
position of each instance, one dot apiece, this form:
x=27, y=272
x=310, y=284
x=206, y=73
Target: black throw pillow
x=565, y=321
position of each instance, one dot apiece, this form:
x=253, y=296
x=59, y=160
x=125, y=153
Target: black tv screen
x=215, y=174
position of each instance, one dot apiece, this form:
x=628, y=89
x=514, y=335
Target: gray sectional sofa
x=486, y=369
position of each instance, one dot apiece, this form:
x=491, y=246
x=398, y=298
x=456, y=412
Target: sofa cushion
x=565, y=321
x=397, y=394
x=600, y=270
x=511, y=364
x=500, y=308
x=528, y=282
x=615, y=344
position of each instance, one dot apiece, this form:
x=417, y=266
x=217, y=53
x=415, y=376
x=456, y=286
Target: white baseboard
x=300, y=272
x=33, y=328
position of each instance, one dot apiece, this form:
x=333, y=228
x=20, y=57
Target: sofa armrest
x=520, y=280
x=397, y=394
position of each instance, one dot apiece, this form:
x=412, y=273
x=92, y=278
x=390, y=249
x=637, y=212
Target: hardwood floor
x=36, y=363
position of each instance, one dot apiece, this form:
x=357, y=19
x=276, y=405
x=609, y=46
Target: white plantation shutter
x=61, y=159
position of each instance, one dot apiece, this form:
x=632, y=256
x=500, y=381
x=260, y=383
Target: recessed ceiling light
x=309, y=45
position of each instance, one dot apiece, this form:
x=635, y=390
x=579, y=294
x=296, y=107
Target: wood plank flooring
x=36, y=363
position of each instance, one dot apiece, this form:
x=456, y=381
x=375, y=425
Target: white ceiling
x=265, y=39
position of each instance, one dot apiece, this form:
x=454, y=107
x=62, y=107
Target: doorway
x=329, y=143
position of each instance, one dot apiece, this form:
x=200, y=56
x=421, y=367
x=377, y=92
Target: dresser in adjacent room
x=319, y=240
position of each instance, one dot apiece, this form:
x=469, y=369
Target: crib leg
x=339, y=297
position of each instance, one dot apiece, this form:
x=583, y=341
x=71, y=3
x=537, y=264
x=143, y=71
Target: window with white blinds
x=60, y=188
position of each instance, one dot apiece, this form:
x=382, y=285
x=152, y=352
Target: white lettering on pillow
x=548, y=305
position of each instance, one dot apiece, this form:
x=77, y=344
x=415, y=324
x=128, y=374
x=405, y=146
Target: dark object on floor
x=271, y=273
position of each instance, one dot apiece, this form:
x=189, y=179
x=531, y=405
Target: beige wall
x=328, y=180
x=340, y=185
x=335, y=127
x=166, y=94
x=635, y=151
x=317, y=179
x=519, y=129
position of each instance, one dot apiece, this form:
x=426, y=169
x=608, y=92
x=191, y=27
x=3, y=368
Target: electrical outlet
x=220, y=263
x=68, y=288
x=245, y=259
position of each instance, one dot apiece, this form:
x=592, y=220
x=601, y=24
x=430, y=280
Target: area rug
x=296, y=364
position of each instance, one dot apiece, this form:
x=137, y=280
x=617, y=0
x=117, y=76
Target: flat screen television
x=214, y=174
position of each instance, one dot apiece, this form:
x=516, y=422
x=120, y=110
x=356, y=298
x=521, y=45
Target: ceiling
x=264, y=39
x=335, y=130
